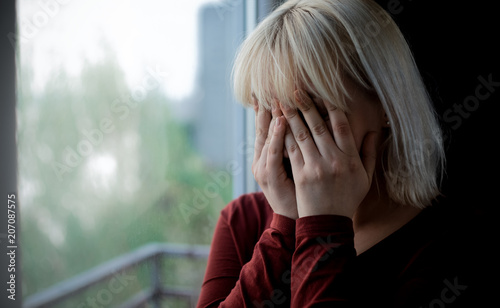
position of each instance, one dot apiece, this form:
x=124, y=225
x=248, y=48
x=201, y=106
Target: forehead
x=318, y=101
x=347, y=94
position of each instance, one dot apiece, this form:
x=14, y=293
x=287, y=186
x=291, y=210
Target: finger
x=285, y=153
x=275, y=110
x=342, y=133
x=255, y=102
x=317, y=126
x=262, y=122
x=369, y=153
x=270, y=133
x=300, y=132
x=275, y=148
x=293, y=150
x=265, y=149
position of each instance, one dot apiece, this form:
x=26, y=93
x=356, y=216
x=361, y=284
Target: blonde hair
x=318, y=45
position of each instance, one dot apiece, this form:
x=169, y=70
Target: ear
x=385, y=121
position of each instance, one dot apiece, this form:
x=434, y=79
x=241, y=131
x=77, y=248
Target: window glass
x=126, y=130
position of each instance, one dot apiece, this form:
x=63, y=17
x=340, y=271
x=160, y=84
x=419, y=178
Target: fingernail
x=278, y=122
x=255, y=102
x=284, y=107
x=299, y=96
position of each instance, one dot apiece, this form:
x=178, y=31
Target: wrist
x=288, y=215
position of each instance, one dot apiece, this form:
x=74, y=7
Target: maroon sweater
x=262, y=259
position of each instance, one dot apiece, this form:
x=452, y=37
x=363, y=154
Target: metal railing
x=149, y=253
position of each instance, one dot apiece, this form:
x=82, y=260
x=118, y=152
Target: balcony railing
x=152, y=253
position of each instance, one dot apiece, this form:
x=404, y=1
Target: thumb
x=369, y=153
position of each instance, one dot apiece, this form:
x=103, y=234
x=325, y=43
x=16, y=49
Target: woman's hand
x=267, y=166
x=329, y=174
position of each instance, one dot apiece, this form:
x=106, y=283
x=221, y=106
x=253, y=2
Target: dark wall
x=455, y=45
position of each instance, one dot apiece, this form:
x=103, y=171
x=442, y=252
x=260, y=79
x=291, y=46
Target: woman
x=340, y=102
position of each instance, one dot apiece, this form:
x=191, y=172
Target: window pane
x=125, y=129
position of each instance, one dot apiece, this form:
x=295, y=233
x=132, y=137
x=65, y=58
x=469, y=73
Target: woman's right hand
x=267, y=166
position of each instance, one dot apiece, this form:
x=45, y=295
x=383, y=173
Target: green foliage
x=93, y=191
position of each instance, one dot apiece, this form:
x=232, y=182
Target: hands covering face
x=330, y=176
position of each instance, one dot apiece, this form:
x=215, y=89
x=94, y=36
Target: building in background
x=221, y=31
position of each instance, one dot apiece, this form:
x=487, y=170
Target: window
x=128, y=134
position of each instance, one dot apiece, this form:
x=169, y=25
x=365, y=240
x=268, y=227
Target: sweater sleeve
x=321, y=261
x=262, y=281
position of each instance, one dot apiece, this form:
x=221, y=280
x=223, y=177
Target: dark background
x=454, y=43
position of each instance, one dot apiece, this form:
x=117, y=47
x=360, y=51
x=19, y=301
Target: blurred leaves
x=91, y=192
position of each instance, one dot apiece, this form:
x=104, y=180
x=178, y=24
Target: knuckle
x=276, y=133
x=342, y=129
x=336, y=168
x=292, y=148
x=330, y=107
x=352, y=165
x=259, y=133
x=314, y=174
x=318, y=173
x=290, y=113
x=273, y=150
x=302, y=135
x=347, y=166
x=319, y=129
x=304, y=105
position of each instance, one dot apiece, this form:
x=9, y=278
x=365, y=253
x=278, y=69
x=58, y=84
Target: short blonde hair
x=315, y=45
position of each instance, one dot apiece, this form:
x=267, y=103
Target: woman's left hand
x=330, y=175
